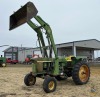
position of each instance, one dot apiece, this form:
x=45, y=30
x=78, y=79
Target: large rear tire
x=81, y=73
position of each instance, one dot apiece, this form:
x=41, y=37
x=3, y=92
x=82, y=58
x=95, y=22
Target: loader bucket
x=22, y=15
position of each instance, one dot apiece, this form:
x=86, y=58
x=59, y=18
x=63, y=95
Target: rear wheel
x=81, y=73
x=29, y=80
x=49, y=84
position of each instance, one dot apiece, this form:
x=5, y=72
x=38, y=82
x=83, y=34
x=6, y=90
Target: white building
x=83, y=49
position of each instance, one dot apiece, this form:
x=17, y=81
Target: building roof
x=19, y=48
x=90, y=43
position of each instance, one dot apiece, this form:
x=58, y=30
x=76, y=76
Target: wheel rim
x=84, y=73
x=51, y=85
x=3, y=64
x=31, y=80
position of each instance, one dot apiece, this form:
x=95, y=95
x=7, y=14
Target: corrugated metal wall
x=64, y=52
x=23, y=54
x=84, y=53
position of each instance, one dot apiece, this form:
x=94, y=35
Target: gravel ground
x=12, y=85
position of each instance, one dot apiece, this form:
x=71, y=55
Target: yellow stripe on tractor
x=69, y=58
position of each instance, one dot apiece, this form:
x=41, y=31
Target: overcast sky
x=70, y=20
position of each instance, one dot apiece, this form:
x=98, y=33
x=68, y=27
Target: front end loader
x=49, y=68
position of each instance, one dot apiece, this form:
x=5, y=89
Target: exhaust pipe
x=23, y=15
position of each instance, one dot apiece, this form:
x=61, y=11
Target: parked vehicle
x=9, y=60
x=3, y=61
x=29, y=57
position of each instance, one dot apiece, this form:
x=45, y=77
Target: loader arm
x=49, y=36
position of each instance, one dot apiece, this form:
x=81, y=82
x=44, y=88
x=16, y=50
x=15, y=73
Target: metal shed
x=82, y=48
x=13, y=52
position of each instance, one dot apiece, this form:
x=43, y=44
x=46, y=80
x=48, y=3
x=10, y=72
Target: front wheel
x=49, y=84
x=4, y=64
x=81, y=73
x=29, y=80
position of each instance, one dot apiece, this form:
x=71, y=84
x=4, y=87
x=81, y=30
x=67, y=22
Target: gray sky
x=70, y=20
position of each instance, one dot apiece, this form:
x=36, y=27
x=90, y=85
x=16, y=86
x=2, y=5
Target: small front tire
x=29, y=80
x=49, y=84
x=4, y=64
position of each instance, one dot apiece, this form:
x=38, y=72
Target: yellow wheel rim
x=51, y=85
x=84, y=73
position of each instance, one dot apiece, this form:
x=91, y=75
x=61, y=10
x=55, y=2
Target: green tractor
x=3, y=61
x=49, y=68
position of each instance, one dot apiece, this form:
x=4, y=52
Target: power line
x=3, y=45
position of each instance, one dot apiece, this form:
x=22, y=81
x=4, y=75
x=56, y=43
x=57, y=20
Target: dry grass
x=12, y=85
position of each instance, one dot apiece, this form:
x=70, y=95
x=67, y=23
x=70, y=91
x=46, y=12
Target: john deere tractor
x=3, y=61
x=49, y=68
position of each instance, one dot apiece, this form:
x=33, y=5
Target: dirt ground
x=12, y=85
